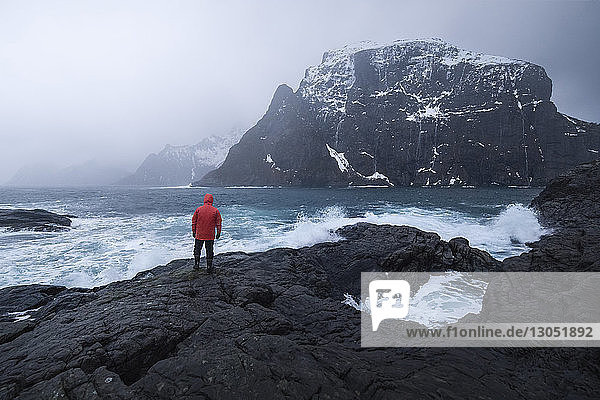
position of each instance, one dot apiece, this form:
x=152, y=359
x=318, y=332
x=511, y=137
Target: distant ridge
x=180, y=165
x=90, y=173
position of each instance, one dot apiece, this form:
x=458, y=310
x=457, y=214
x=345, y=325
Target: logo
x=389, y=299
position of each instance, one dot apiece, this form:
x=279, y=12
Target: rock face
x=570, y=204
x=36, y=220
x=571, y=200
x=271, y=326
x=180, y=165
x=419, y=112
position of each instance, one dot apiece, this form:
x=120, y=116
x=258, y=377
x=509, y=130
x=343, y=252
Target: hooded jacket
x=206, y=219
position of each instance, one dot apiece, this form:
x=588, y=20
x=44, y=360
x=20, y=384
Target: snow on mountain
x=180, y=165
x=411, y=112
x=327, y=84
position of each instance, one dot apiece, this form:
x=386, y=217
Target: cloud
x=117, y=80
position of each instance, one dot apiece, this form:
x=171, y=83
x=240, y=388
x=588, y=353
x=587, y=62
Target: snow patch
x=326, y=85
x=577, y=124
x=377, y=176
x=342, y=163
x=21, y=315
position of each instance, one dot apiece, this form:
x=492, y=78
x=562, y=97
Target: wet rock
x=264, y=325
x=569, y=205
x=36, y=220
x=572, y=198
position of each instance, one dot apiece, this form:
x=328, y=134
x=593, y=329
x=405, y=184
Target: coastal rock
x=413, y=112
x=36, y=220
x=266, y=325
x=571, y=200
x=569, y=204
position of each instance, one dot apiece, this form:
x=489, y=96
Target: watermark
x=521, y=331
x=388, y=299
x=480, y=309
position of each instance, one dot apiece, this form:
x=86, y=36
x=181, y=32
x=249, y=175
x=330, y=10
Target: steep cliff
x=419, y=112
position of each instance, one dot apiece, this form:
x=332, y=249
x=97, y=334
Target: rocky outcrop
x=571, y=200
x=419, y=112
x=267, y=325
x=36, y=220
x=180, y=165
x=569, y=204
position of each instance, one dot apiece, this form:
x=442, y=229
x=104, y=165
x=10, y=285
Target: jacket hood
x=208, y=198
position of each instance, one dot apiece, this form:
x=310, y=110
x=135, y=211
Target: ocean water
x=121, y=231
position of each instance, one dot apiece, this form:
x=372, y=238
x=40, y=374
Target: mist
x=114, y=81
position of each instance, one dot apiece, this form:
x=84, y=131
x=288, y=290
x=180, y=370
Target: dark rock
x=570, y=205
x=37, y=220
x=419, y=112
x=264, y=325
x=571, y=199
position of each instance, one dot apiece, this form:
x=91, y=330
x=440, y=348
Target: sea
x=120, y=231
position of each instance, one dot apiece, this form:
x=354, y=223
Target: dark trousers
x=209, y=249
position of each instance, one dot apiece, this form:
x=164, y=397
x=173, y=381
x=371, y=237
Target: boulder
x=36, y=220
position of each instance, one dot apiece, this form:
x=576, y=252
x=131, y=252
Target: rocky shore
x=271, y=325
x=36, y=220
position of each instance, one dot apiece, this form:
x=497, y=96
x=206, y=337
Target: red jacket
x=205, y=220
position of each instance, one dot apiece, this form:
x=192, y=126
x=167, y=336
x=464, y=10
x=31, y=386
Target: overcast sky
x=116, y=80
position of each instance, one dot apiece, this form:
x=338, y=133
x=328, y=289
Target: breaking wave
x=502, y=236
x=106, y=249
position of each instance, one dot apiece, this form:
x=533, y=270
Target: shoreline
x=311, y=229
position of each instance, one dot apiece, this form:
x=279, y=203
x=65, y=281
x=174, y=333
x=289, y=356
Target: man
x=204, y=222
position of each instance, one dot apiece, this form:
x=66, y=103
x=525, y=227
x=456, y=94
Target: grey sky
x=116, y=80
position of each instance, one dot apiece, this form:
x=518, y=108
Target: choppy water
x=121, y=231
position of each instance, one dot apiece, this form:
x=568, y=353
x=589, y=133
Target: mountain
x=414, y=112
x=180, y=165
x=90, y=173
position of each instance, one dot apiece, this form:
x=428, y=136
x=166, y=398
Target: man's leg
x=197, y=250
x=209, y=254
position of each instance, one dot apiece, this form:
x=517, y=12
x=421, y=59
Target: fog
x=116, y=80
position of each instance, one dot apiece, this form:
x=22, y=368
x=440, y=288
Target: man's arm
x=219, y=220
x=194, y=221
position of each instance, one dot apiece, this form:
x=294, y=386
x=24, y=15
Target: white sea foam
x=95, y=252
x=102, y=250
x=503, y=236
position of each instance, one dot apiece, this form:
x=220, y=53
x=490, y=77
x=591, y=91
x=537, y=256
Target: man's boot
x=196, y=262
x=209, y=265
